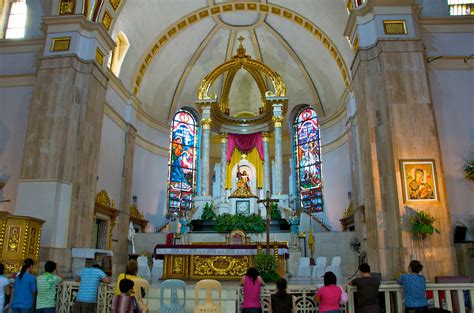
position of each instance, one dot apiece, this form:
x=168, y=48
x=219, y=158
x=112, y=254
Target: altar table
x=214, y=261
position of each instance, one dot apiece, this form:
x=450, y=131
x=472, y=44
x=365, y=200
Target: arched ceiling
x=174, y=44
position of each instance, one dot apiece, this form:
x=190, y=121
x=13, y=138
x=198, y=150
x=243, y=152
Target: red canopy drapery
x=245, y=144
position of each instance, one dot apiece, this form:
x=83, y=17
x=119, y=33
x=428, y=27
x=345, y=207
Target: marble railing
x=446, y=296
x=66, y=295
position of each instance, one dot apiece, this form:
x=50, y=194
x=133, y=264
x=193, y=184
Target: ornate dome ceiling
x=174, y=44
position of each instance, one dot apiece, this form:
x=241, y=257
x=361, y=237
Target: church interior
x=202, y=134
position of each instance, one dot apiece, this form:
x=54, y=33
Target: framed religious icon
x=242, y=207
x=418, y=180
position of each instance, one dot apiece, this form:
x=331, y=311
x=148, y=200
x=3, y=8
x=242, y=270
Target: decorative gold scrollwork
x=225, y=267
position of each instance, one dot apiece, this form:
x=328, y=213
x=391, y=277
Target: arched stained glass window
x=182, y=161
x=308, y=160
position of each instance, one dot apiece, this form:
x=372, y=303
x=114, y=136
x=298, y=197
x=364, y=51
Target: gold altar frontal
x=197, y=265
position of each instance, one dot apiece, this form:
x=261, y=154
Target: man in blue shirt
x=90, y=278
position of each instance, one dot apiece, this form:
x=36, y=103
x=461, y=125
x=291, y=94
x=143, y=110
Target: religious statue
x=184, y=229
x=294, y=227
x=243, y=186
x=131, y=236
x=243, y=180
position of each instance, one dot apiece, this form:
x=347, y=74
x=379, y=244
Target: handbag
x=344, y=297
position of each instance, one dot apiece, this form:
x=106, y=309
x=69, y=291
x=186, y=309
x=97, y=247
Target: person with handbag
x=367, y=290
x=331, y=296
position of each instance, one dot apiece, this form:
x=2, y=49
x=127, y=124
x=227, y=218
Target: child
x=4, y=287
x=125, y=302
x=46, y=284
x=281, y=301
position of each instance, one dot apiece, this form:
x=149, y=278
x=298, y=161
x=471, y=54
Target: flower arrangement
x=422, y=224
x=469, y=170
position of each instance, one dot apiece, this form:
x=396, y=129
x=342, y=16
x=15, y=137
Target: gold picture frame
x=419, y=181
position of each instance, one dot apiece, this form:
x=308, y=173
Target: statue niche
x=244, y=180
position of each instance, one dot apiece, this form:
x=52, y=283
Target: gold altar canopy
x=221, y=111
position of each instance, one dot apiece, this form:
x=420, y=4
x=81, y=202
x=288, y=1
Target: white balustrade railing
x=446, y=296
x=452, y=297
x=66, y=296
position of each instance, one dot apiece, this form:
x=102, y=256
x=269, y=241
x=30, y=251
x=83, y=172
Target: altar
x=219, y=261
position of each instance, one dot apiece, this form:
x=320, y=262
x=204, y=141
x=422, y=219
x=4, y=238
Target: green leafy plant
x=422, y=224
x=266, y=265
x=469, y=170
x=248, y=223
x=208, y=212
x=275, y=211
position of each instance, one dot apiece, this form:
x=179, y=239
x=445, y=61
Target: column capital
x=266, y=136
x=277, y=120
x=223, y=137
x=206, y=123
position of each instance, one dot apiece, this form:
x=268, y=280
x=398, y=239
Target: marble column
x=277, y=123
x=61, y=153
x=223, y=138
x=206, y=125
x=395, y=122
x=267, y=162
x=120, y=247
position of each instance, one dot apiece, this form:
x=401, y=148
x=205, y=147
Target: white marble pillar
x=266, y=162
x=223, y=138
x=277, y=123
x=205, y=122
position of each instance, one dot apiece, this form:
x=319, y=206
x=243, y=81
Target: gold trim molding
x=277, y=120
x=60, y=44
x=172, y=31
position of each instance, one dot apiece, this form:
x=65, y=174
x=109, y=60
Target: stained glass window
x=307, y=149
x=182, y=161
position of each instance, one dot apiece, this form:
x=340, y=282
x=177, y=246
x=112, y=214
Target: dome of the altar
x=174, y=44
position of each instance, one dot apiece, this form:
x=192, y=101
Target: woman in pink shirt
x=329, y=295
x=252, y=283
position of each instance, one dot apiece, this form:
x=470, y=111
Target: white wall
x=112, y=149
x=454, y=109
x=336, y=183
x=14, y=108
x=150, y=183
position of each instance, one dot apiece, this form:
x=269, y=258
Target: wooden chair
x=209, y=306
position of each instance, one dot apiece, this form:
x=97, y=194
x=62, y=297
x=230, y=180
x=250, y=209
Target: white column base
x=49, y=200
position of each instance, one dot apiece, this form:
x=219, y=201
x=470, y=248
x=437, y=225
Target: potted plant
x=208, y=212
x=266, y=265
x=469, y=170
x=422, y=224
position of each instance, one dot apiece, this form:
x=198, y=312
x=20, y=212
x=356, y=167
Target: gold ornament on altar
x=134, y=212
x=19, y=239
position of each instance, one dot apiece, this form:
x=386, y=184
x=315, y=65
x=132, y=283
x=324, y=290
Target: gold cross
x=241, y=39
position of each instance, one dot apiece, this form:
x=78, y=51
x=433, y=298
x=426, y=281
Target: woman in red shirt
x=329, y=295
x=252, y=283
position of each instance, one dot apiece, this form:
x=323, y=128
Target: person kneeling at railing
x=331, y=295
x=281, y=301
x=414, y=288
x=367, y=290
